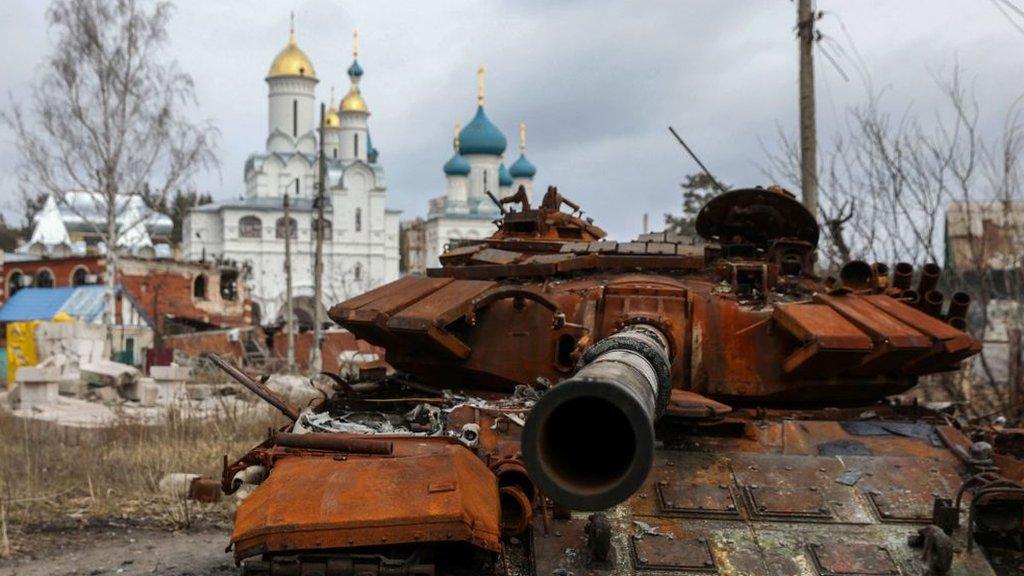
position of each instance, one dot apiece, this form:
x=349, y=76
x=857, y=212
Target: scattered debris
x=645, y=529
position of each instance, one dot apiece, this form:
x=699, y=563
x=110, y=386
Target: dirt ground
x=126, y=551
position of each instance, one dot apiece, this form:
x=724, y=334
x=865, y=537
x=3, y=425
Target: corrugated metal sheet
x=35, y=304
x=84, y=303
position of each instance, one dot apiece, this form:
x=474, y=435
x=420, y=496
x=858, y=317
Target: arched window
x=295, y=118
x=250, y=227
x=355, y=145
x=325, y=226
x=80, y=276
x=357, y=272
x=15, y=282
x=359, y=219
x=199, y=287
x=291, y=225
x=44, y=278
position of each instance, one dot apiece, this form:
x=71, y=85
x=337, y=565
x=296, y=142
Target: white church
x=360, y=233
x=465, y=212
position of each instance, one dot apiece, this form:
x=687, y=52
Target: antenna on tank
x=697, y=160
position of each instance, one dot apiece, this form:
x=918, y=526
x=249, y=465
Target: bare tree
x=109, y=119
x=896, y=187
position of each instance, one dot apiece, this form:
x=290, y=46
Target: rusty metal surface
x=777, y=451
x=439, y=493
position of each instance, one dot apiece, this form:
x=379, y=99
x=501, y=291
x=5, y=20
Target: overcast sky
x=596, y=81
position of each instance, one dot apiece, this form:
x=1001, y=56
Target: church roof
x=291, y=61
x=504, y=178
x=262, y=203
x=481, y=136
x=523, y=168
x=456, y=166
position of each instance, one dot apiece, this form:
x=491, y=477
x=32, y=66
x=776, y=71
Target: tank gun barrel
x=588, y=443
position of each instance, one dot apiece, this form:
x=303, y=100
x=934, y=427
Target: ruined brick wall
x=338, y=345
x=165, y=288
x=215, y=341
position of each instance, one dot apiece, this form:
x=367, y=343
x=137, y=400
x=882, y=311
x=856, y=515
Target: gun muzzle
x=588, y=443
x=959, y=303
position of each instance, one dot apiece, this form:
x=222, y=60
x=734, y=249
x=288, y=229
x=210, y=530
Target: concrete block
x=36, y=374
x=171, y=372
x=170, y=391
x=71, y=385
x=38, y=394
x=147, y=391
x=108, y=373
x=199, y=391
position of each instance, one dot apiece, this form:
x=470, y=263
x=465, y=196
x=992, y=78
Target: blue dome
x=355, y=69
x=456, y=166
x=480, y=136
x=371, y=151
x=523, y=168
x=504, y=178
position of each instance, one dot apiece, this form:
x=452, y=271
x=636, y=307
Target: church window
x=357, y=272
x=80, y=276
x=250, y=227
x=199, y=287
x=15, y=282
x=355, y=145
x=359, y=219
x=44, y=279
x=325, y=227
x=485, y=180
x=335, y=151
x=295, y=118
x=290, y=224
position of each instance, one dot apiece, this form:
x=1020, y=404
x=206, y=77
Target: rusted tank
x=563, y=404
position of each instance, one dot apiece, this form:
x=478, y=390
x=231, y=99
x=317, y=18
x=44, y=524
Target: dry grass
x=55, y=478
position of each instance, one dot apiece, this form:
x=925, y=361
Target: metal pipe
x=257, y=388
x=334, y=442
x=932, y=303
x=929, y=278
x=903, y=276
x=588, y=443
x=856, y=275
x=958, y=323
x=959, y=303
x=910, y=297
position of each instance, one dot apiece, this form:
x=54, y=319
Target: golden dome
x=291, y=61
x=353, y=101
x=331, y=120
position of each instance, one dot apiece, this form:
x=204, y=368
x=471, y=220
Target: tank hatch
x=756, y=216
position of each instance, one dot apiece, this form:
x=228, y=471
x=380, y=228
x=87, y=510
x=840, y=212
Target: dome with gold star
x=291, y=61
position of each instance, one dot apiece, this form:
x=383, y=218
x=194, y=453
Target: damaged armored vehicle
x=561, y=404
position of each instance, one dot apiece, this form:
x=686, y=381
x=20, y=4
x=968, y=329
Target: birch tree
x=110, y=117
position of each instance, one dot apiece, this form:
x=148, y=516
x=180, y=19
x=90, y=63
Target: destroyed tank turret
x=564, y=404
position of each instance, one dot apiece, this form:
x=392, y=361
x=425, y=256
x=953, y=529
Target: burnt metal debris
x=564, y=404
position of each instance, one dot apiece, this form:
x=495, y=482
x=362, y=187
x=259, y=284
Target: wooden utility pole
x=808, y=131
x=289, y=310
x=315, y=359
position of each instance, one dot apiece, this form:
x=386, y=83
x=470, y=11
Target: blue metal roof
x=481, y=136
x=83, y=303
x=34, y=304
